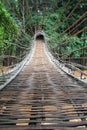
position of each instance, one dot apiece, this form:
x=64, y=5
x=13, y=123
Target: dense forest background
x=63, y=21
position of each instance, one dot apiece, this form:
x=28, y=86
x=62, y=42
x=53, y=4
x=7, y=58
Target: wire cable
x=70, y=52
x=81, y=17
x=65, y=7
x=70, y=13
x=51, y=11
x=44, y=12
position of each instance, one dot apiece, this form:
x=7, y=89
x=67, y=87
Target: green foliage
x=8, y=29
x=23, y=15
x=65, y=44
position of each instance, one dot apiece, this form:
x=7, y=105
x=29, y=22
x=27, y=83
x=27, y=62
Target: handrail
x=67, y=67
x=6, y=78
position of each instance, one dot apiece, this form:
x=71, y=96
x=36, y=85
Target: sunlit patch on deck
x=22, y=122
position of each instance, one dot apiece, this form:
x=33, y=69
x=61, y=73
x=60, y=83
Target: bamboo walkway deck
x=43, y=97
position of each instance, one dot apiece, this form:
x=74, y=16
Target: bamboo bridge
x=43, y=47
x=42, y=96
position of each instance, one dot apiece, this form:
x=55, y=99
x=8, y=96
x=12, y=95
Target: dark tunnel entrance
x=40, y=37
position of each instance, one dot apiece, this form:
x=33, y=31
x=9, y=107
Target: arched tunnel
x=40, y=37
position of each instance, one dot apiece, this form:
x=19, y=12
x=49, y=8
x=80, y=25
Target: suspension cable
x=77, y=26
x=17, y=39
x=44, y=12
x=74, y=23
x=36, y=5
x=17, y=45
x=81, y=17
x=70, y=13
x=54, y=4
x=78, y=32
x=30, y=17
x=65, y=7
x=70, y=52
x=64, y=41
